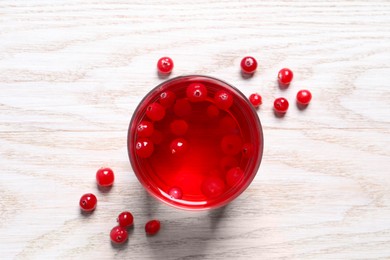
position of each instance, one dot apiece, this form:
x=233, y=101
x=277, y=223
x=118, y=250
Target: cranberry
x=227, y=124
x=215, y=172
x=157, y=137
x=281, y=105
x=88, y=202
x=228, y=162
x=234, y=176
x=182, y=108
x=255, y=100
x=167, y=98
x=178, y=146
x=125, y=219
x=144, y=147
x=179, y=127
x=247, y=150
x=105, y=177
x=175, y=193
x=196, y=92
x=212, y=187
x=212, y=111
x=152, y=227
x=155, y=111
x=303, y=97
x=118, y=235
x=285, y=76
x=145, y=129
x=223, y=99
x=248, y=65
x=165, y=65
x=231, y=144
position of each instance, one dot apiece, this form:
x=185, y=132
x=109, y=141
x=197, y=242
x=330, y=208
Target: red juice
x=195, y=142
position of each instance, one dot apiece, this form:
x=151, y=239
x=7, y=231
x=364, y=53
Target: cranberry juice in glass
x=195, y=142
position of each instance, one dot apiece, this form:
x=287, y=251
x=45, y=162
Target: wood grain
x=72, y=73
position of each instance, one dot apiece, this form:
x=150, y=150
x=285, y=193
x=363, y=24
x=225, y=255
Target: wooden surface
x=72, y=73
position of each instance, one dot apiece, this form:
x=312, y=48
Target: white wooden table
x=72, y=73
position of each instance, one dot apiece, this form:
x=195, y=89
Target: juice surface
x=204, y=153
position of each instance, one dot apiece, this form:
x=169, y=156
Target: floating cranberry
x=247, y=150
x=179, y=127
x=105, y=177
x=196, y=92
x=234, y=176
x=213, y=187
x=281, y=105
x=178, y=146
x=88, y=202
x=303, y=97
x=285, y=76
x=215, y=172
x=231, y=144
x=248, y=65
x=212, y=111
x=167, y=98
x=157, y=137
x=144, y=147
x=223, y=99
x=227, y=124
x=152, y=227
x=255, y=100
x=125, y=219
x=175, y=193
x=155, y=112
x=182, y=108
x=228, y=162
x=165, y=65
x=145, y=129
x=118, y=235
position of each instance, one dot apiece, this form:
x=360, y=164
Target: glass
x=195, y=150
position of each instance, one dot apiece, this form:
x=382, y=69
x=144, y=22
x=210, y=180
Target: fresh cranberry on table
x=88, y=202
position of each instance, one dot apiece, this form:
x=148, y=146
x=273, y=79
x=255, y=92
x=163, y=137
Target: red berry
x=212, y=187
x=157, y=137
x=182, y=108
x=175, y=193
x=248, y=65
x=118, y=235
x=105, y=177
x=214, y=172
x=155, y=111
x=178, y=146
x=234, y=176
x=145, y=129
x=196, y=92
x=304, y=97
x=223, y=99
x=228, y=162
x=281, y=105
x=167, y=98
x=231, y=144
x=125, y=219
x=165, y=65
x=247, y=150
x=179, y=127
x=285, y=76
x=255, y=100
x=144, y=147
x=152, y=227
x=88, y=202
x=212, y=111
x=227, y=124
